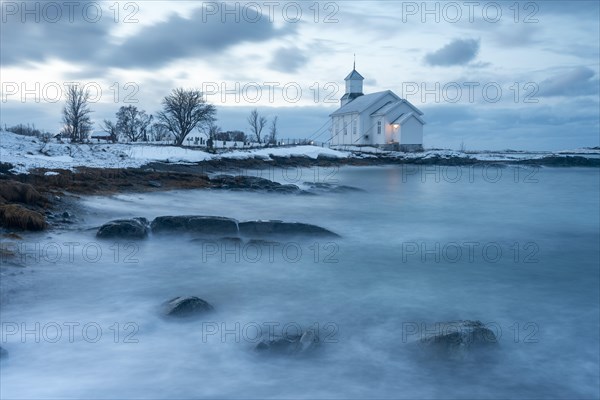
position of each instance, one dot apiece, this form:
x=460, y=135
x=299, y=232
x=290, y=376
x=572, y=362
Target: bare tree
x=160, y=132
x=213, y=131
x=145, y=121
x=273, y=131
x=183, y=111
x=76, y=114
x=133, y=123
x=257, y=123
x=110, y=128
x=238, y=136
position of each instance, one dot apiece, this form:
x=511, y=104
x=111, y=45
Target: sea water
x=515, y=248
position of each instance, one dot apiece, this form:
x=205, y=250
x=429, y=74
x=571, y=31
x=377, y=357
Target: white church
x=380, y=119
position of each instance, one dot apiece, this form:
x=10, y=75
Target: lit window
x=379, y=127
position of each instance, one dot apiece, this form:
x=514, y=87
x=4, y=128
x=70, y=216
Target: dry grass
x=17, y=192
x=13, y=216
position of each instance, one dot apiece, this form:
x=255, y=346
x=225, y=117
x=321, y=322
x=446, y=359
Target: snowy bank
x=26, y=153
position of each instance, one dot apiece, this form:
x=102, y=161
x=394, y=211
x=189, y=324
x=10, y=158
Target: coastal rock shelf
x=210, y=226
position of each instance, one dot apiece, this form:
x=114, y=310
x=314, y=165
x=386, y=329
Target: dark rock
x=66, y=215
x=185, y=307
x=331, y=187
x=563, y=161
x=3, y=353
x=290, y=345
x=280, y=228
x=196, y=224
x=255, y=183
x=155, y=184
x=457, y=340
x=135, y=228
x=5, y=167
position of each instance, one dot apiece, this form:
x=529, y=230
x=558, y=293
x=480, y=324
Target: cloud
x=289, y=59
x=457, y=52
x=73, y=39
x=197, y=36
x=90, y=43
x=575, y=82
x=568, y=125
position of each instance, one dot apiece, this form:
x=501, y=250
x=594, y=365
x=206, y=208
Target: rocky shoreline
x=44, y=198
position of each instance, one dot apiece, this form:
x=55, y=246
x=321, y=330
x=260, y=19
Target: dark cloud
x=198, y=36
x=575, y=82
x=89, y=43
x=61, y=33
x=289, y=59
x=457, y=52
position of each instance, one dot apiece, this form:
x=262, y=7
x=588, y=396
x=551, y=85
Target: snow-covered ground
x=27, y=153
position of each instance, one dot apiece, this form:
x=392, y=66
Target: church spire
x=354, y=85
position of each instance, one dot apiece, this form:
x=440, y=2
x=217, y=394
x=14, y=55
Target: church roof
x=353, y=75
x=361, y=103
x=385, y=108
x=402, y=118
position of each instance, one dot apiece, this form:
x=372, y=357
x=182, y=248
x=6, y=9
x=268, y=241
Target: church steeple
x=354, y=86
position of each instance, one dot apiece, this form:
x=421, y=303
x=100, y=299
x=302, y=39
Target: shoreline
x=48, y=191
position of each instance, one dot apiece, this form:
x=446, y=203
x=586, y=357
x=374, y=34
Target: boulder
x=290, y=345
x=279, y=228
x=457, y=340
x=196, y=224
x=135, y=228
x=185, y=307
x=242, y=182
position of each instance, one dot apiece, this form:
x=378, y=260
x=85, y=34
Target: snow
x=27, y=153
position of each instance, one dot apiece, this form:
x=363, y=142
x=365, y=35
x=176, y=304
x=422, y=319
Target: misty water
x=516, y=248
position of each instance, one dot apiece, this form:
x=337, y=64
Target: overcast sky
x=491, y=75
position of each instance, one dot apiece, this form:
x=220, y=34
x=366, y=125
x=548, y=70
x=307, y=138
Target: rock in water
x=3, y=353
x=254, y=183
x=330, y=188
x=185, y=307
x=278, y=229
x=290, y=345
x=196, y=224
x=136, y=228
x=457, y=340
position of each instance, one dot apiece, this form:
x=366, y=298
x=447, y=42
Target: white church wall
x=411, y=132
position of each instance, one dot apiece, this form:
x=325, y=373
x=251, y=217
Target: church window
x=354, y=127
x=379, y=127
